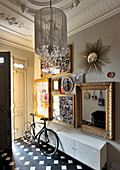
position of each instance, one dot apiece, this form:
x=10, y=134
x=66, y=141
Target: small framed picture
x=78, y=78
x=56, y=85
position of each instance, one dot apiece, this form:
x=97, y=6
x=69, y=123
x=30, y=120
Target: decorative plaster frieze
x=12, y=21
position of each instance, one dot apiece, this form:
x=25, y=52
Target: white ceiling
x=17, y=17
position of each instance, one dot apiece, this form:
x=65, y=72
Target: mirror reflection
x=93, y=108
x=92, y=57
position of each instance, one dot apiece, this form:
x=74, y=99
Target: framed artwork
x=42, y=97
x=95, y=104
x=56, y=85
x=78, y=78
x=63, y=109
x=59, y=65
x=67, y=84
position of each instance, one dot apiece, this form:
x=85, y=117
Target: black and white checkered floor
x=29, y=157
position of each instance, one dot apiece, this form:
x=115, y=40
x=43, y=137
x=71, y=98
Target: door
x=19, y=96
x=5, y=101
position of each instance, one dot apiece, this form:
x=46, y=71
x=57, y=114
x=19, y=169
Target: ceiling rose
x=43, y=2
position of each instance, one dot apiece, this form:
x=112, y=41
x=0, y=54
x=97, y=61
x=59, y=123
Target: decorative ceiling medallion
x=94, y=57
x=43, y=3
x=25, y=7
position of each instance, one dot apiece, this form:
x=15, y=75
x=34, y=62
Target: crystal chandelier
x=50, y=32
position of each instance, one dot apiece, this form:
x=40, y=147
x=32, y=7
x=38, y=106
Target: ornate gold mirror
x=95, y=108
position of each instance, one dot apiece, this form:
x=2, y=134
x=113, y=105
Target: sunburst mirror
x=94, y=57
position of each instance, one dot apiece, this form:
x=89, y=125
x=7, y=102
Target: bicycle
x=48, y=140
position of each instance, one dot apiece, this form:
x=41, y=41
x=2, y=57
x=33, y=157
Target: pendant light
x=50, y=32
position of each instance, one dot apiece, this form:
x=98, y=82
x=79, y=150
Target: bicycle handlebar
x=32, y=114
x=45, y=119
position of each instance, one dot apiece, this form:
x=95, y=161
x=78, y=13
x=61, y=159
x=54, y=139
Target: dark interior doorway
x=5, y=101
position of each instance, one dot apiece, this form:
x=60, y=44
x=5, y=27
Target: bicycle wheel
x=48, y=142
x=27, y=133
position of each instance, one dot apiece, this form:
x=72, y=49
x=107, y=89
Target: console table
x=85, y=148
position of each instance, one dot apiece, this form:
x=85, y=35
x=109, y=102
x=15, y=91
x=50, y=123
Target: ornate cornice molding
x=96, y=12
x=14, y=44
x=11, y=39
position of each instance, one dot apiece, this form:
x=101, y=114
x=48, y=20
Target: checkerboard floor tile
x=29, y=157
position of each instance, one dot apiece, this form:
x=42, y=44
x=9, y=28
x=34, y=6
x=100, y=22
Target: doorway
x=5, y=101
x=19, y=96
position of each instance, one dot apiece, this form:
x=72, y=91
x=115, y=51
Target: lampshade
x=50, y=32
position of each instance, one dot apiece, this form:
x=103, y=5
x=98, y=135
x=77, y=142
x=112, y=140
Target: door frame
x=13, y=59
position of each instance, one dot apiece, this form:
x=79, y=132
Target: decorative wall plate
x=110, y=74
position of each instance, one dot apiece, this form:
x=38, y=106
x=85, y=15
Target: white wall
x=109, y=32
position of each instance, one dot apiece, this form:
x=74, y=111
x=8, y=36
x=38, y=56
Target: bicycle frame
x=42, y=129
x=48, y=140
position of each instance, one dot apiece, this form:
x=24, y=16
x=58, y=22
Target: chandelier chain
x=50, y=3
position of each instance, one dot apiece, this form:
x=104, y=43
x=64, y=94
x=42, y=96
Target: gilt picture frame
x=63, y=109
x=56, y=85
x=99, y=117
x=42, y=95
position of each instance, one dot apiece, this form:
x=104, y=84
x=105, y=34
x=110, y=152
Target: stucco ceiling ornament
x=94, y=57
x=11, y=20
